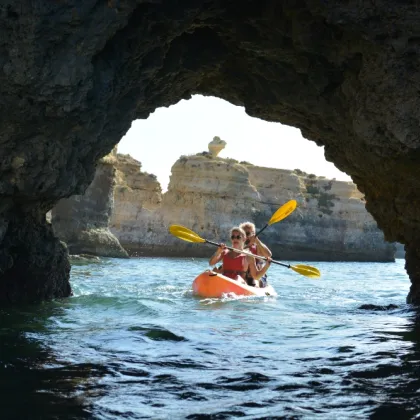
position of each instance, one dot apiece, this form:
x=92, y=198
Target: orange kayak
x=214, y=285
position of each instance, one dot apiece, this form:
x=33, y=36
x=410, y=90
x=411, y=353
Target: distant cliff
x=210, y=194
x=137, y=203
x=82, y=220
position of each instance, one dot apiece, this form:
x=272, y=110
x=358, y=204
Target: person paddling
x=236, y=265
x=255, y=246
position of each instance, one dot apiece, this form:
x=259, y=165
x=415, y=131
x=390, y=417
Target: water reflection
x=381, y=384
x=32, y=384
x=395, y=381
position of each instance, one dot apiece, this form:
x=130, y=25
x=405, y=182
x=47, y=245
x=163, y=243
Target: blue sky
x=188, y=127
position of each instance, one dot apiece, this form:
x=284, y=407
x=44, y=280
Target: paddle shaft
x=265, y=227
x=188, y=235
x=248, y=253
x=280, y=214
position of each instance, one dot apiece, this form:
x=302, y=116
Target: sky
x=187, y=128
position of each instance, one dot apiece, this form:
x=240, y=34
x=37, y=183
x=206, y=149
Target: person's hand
x=218, y=269
x=269, y=259
x=221, y=248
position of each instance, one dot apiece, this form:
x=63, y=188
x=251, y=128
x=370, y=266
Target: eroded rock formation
x=211, y=194
x=136, y=197
x=82, y=221
x=216, y=146
x=73, y=75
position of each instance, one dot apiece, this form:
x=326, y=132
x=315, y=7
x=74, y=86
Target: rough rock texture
x=330, y=224
x=210, y=195
x=216, y=146
x=73, y=75
x=82, y=221
x=144, y=229
x=136, y=196
x=31, y=247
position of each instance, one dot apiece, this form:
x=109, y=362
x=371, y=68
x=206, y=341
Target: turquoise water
x=133, y=343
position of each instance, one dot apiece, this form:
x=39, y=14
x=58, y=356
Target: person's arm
x=218, y=255
x=262, y=249
x=257, y=273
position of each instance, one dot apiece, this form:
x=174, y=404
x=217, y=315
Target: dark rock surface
x=33, y=261
x=73, y=75
x=372, y=307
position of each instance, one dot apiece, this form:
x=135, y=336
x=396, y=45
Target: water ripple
x=133, y=343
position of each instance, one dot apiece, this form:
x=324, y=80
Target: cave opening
x=187, y=127
x=346, y=76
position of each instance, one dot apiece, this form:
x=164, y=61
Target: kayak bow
x=214, y=285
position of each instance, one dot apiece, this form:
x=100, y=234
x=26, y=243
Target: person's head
x=248, y=228
x=237, y=236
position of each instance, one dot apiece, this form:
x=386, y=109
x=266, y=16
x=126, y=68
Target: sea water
x=133, y=343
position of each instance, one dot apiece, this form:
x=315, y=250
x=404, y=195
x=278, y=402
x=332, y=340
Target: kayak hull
x=214, y=285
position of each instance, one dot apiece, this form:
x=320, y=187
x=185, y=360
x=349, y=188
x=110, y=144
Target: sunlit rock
x=216, y=146
x=210, y=195
x=82, y=221
x=136, y=196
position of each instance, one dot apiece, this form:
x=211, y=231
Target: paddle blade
x=185, y=234
x=306, y=270
x=283, y=212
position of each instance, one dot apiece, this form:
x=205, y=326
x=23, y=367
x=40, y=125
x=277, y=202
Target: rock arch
x=73, y=75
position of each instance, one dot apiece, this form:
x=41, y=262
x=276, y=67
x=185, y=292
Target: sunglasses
x=249, y=233
x=236, y=237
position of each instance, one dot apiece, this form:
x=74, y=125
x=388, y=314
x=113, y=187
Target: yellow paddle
x=188, y=235
x=280, y=214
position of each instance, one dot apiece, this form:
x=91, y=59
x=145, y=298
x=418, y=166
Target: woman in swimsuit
x=236, y=264
x=254, y=245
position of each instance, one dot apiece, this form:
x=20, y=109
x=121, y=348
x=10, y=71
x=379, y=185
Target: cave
x=74, y=75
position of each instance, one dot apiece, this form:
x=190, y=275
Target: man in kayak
x=235, y=264
x=255, y=246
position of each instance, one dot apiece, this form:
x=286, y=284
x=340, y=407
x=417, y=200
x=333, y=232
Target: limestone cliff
x=211, y=194
x=137, y=200
x=82, y=221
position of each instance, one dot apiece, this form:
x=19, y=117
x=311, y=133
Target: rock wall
x=74, y=75
x=137, y=200
x=81, y=221
x=211, y=194
x=331, y=222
